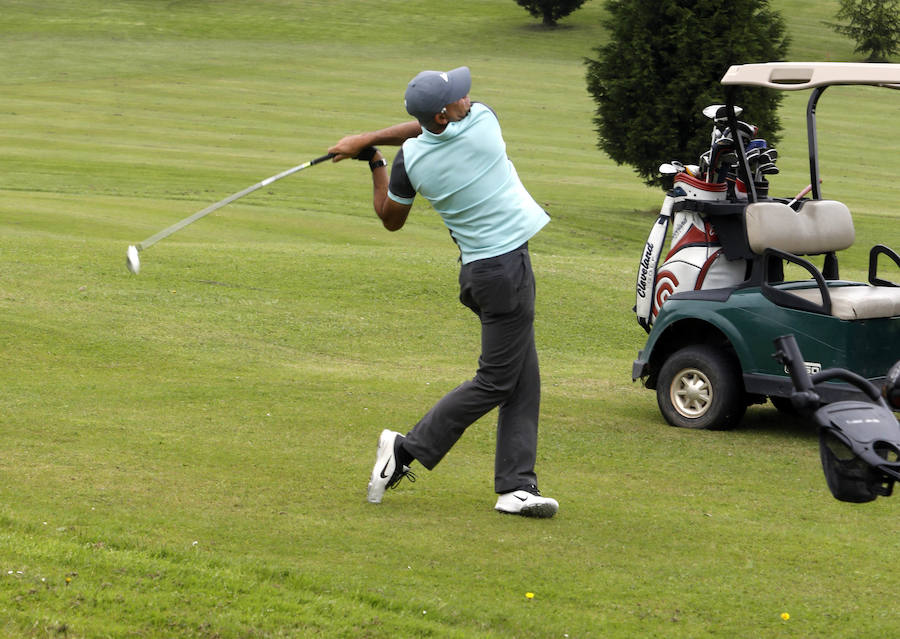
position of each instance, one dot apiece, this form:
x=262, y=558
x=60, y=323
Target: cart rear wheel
x=701, y=387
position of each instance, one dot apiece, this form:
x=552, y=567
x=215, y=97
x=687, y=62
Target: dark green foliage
x=550, y=10
x=873, y=24
x=663, y=64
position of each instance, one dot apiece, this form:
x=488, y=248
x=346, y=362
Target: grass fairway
x=185, y=452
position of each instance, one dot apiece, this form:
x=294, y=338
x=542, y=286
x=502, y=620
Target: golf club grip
x=322, y=158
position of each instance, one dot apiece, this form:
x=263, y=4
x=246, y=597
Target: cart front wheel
x=700, y=387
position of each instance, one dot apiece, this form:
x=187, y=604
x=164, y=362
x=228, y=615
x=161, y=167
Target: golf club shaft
x=801, y=194
x=153, y=239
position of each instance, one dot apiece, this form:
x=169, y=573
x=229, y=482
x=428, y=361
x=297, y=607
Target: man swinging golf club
x=454, y=156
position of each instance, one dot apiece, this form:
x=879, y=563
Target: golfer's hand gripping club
x=352, y=147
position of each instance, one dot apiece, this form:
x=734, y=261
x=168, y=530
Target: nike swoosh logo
x=521, y=498
x=383, y=476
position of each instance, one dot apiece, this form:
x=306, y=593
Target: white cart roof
x=793, y=76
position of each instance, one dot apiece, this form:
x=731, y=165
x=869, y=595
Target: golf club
x=132, y=260
x=753, y=159
x=765, y=168
x=718, y=149
x=704, y=163
x=797, y=197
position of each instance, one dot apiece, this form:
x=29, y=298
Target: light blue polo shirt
x=468, y=179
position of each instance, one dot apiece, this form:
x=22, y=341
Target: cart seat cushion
x=820, y=226
x=858, y=302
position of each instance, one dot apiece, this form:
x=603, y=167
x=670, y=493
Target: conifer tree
x=550, y=11
x=663, y=64
x=873, y=24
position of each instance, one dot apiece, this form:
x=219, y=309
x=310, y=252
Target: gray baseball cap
x=431, y=91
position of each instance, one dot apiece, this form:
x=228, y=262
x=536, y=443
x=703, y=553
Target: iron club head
x=132, y=261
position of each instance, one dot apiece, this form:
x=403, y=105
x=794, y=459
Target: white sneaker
x=527, y=504
x=386, y=474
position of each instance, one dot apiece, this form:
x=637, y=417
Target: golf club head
x=727, y=166
x=745, y=132
x=132, y=261
x=768, y=168
x=753, y=154
x=718, y=150
x=753, y=159
x=704, y=162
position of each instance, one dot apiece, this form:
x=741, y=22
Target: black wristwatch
x=374, y=164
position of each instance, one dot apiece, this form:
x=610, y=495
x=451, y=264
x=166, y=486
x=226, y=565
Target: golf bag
x=695, y=260
x=859, y=441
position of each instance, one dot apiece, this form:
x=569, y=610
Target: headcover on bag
x=859, y=444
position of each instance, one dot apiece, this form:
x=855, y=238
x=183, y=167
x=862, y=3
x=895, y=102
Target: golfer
x=455, y=157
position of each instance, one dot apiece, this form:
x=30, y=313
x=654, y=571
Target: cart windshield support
x=797, y=76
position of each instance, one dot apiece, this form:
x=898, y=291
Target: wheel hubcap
x=691, y=393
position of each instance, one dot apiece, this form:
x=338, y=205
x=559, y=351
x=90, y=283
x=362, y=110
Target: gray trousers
x=501, y=291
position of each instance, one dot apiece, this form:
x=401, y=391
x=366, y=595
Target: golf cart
x=714, y=307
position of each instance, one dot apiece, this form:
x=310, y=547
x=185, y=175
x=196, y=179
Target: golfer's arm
x=351, y=145
x=397, y=134
x=392, y=214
